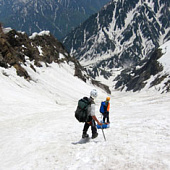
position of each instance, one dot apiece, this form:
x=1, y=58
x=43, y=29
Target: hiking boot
x=94, y=135
x=85, y=135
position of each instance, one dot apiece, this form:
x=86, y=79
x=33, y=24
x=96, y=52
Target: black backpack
x=81, y=112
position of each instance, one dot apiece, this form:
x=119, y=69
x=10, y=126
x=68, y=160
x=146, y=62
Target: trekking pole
x=103, y=133
x=103, y=130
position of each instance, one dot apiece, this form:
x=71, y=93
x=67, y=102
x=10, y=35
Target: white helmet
x=93, y=93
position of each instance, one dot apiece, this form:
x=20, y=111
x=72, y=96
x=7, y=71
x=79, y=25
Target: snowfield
x=38, y=129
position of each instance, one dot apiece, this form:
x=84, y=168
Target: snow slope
x=38, y=129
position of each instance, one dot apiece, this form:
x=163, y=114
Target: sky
x=39, y=131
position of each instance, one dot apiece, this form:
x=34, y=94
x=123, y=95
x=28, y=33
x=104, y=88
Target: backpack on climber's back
x=81, y=112
x=103, y=107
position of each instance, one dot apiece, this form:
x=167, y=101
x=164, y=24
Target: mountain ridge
x=121, y=35
x=21, y=52
x=59, y=17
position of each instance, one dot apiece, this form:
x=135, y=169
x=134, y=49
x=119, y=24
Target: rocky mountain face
x=121, y=35
x=57, y=16
x=16, y=48
x=136, y=79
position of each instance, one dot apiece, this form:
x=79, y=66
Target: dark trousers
x=106, y=116
x=92, y=123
